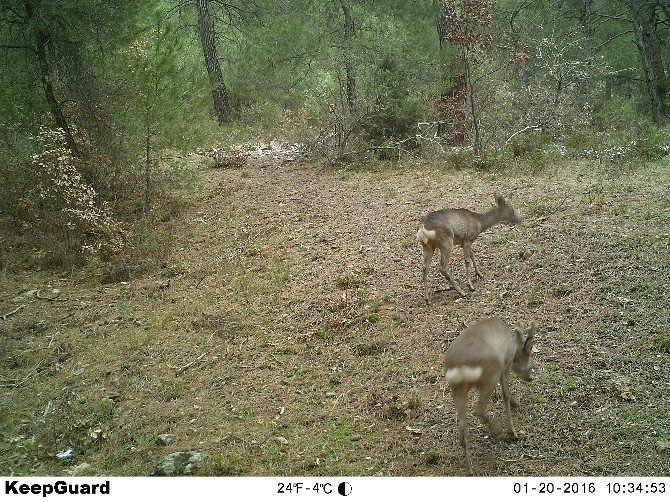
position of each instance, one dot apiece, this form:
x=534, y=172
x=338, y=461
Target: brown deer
x=446, y=227
x=481, y=356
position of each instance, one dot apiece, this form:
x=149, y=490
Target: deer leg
x=461, y=401
x=427, y=257
x=469, y=262
x=445, y=254
x=504, y=383
x=480, y=407
x=467, y=248
x=474, y=262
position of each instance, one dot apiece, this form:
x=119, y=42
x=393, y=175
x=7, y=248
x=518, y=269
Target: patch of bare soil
x=288, y=334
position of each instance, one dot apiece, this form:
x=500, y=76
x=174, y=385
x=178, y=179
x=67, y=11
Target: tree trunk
x=451, y=107
x=207, y=39
x=41, y=42
x=147, y=164
x=648, y=43
x=586, y=18
x=477, y=140
x=348, y=63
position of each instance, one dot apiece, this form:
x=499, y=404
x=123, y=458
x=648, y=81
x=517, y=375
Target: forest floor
x=288, y=335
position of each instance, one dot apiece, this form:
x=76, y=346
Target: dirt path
x=288, y=333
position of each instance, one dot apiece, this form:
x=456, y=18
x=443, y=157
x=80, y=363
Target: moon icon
x=344, y=488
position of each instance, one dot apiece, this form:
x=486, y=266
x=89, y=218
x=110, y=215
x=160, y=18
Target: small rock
x=330, y=394
x=66, y=453
x=663, y=445
x=355, y=437
x=80, y=470
x=414, y=430
x=165, y=439
x=25, y=295
x=281, y=439
x=180, y=463
x=114, y=396
x=97, y=434
x=525, y=254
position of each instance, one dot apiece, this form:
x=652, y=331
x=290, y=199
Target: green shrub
x=616, y=114
x=523, y=146
x=650, y=142
x=61, y=209
x=393, y=111
x=579, y=141
x=460, y=158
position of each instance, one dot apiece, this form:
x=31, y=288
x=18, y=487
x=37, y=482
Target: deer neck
x=489, y=218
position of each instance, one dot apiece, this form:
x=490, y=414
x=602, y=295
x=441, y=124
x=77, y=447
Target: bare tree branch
x=612, y=38
x=530, y=127
x=19, y=47
x=10, y=9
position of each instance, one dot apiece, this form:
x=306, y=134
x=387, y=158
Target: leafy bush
x=616, y=114
x=579, y=141
x=650, y=142
x=528, y=144
x=393, y=111
x=62, y=207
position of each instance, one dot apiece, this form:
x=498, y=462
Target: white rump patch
x=424, y=235
x=464, y=374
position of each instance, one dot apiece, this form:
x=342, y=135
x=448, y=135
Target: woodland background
x=178, y=179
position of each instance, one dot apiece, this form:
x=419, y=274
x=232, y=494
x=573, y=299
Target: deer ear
x=518, y=334
x=530, y=340
x=528, y=346
x=500, y=200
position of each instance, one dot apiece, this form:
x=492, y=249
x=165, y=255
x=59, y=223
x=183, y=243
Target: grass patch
x=369, y=348
x=283, y=332
x=349, y=280
x=663, y=344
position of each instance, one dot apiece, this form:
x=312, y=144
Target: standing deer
x=446, y=227
x=481, y=356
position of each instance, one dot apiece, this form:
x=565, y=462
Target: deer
x=481, y=356
x=443, y=228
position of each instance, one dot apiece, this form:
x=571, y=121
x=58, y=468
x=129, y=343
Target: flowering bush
x=63, y=205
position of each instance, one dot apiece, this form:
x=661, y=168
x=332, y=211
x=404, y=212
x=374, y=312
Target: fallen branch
x=200, y=281
x=533, y=127
x=187, y=366
x=5, y=316
x=368, y=149
x=18, y=383
x=66, y=317
x=50, y=298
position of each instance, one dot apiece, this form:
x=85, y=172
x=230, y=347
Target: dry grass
x=291, y=307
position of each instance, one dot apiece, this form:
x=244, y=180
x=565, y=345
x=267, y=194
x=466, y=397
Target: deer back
x=462, y=222
x=481, y=352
